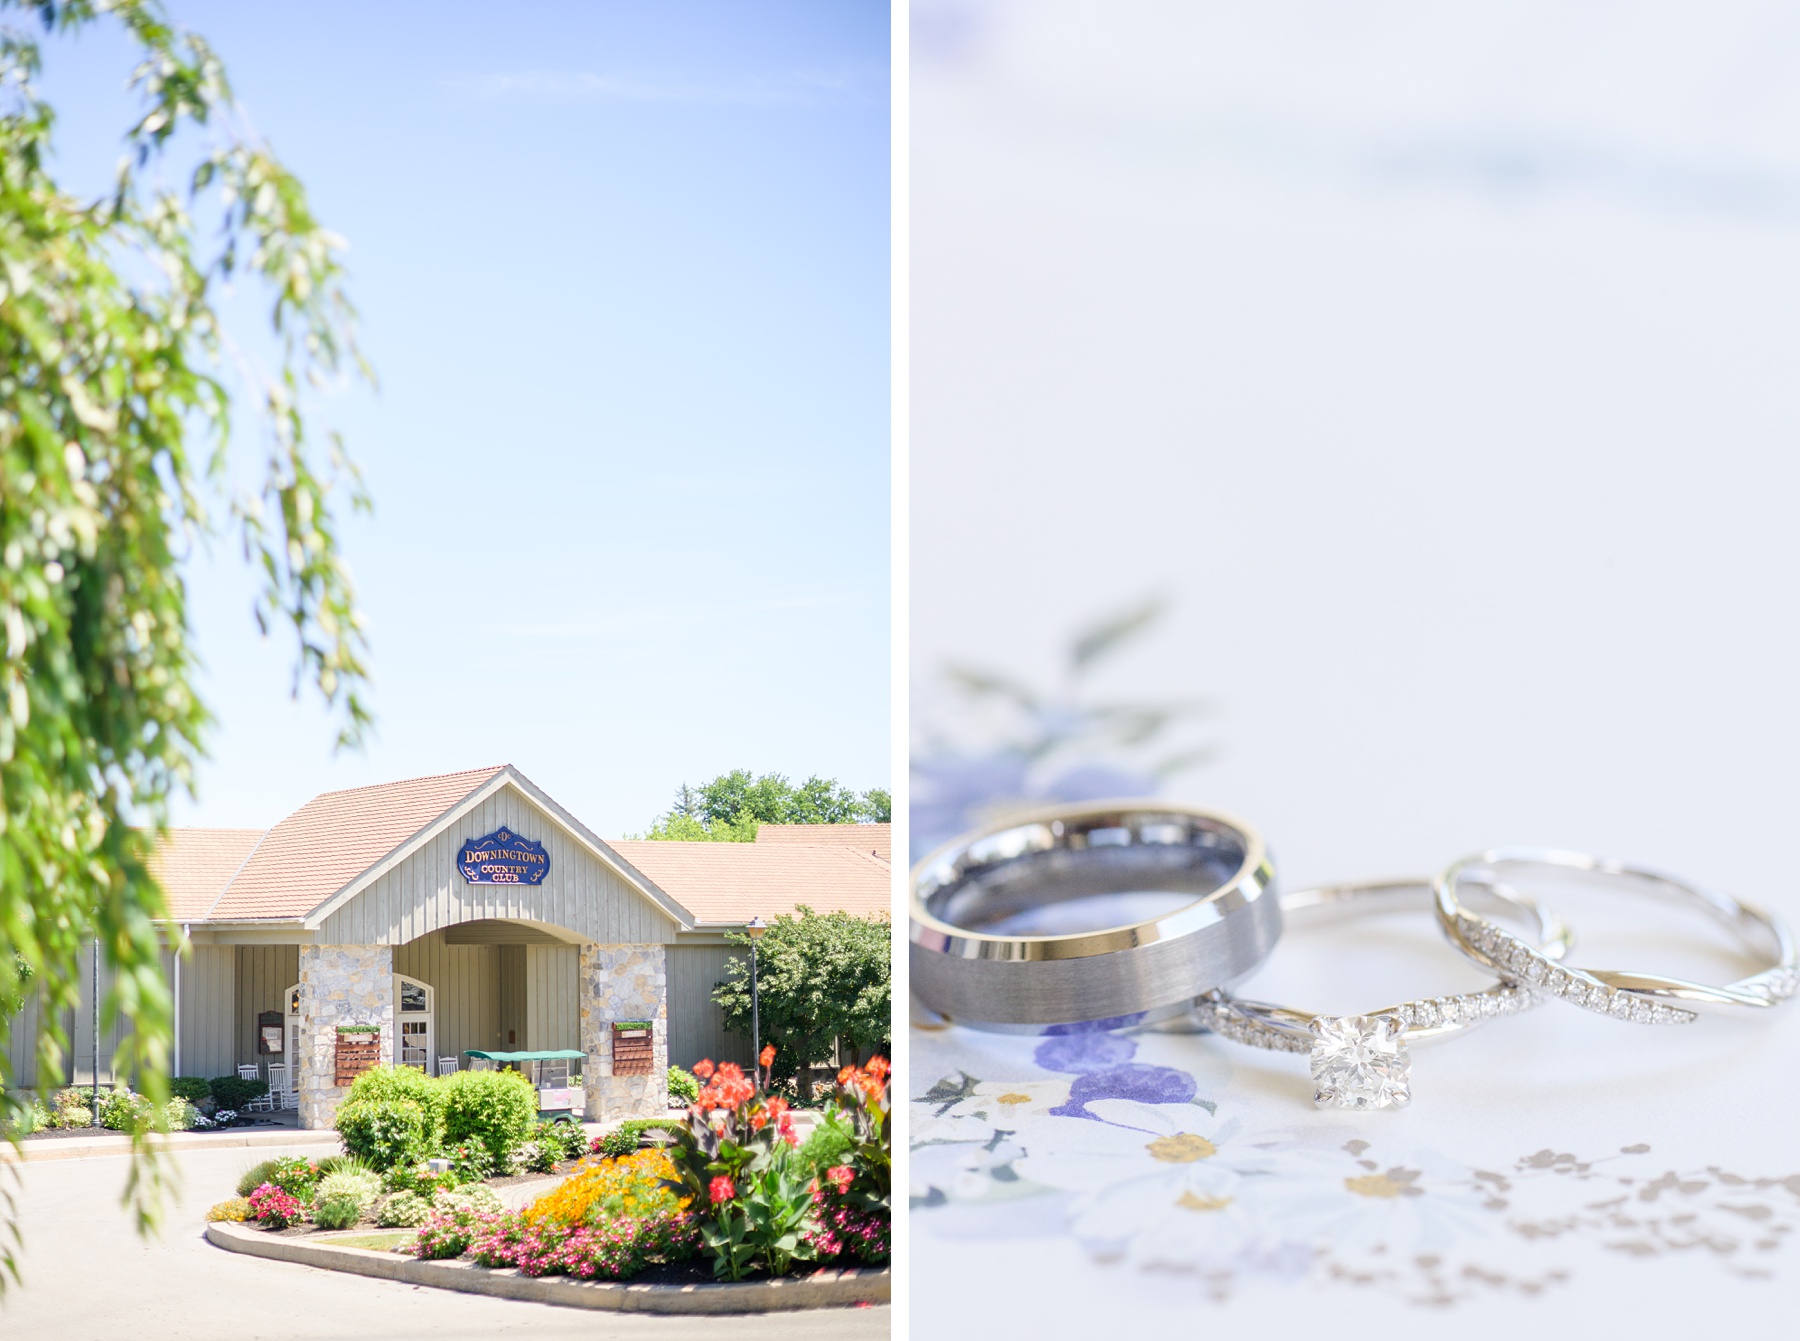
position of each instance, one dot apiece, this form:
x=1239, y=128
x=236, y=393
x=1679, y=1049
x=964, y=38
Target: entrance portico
x=468, y=911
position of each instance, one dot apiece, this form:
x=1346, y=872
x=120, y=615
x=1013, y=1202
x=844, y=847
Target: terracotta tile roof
x=194, y=865
x=877, y=839
x=729, y=883
x=334, y=838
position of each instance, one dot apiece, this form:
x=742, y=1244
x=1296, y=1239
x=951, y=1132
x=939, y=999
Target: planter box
x=633, y=1051
x=356, y=1053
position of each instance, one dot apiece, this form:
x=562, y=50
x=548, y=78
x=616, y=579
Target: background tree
x=731, y=806
x=116, y=387
x=821, y=978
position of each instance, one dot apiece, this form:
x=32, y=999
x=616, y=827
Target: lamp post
x=754, y=929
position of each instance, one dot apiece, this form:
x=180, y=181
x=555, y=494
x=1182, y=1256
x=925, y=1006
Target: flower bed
x=733, y=1195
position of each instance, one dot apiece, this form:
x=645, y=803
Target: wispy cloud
x=801, y=87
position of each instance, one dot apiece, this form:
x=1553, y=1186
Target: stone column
x=339, y=984
x=624, y=982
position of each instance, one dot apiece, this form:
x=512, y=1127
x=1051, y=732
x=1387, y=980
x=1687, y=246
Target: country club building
x=467, y=911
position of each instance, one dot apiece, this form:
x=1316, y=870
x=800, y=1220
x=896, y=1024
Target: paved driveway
x=87, y=1274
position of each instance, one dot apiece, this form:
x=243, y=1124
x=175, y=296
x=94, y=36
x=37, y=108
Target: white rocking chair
x=447, y=1066
x=281, y=1088
x=265, y=1102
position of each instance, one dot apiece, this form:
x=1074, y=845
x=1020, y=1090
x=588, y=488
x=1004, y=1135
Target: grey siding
x=21, y=1048
x=513, y=997
x=264, y=973
x=208, y=1002
x=78, y=1058
x=552, y=1006
x=466, y=998
x=223, y=987
x=696, y=1025
x=426, y=892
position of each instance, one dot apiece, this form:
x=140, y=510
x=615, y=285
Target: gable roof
x=335, y=837
x=875, y=839
x=193, y=866
x=729, y=883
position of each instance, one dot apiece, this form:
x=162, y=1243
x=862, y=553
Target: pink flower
x=721, y=1189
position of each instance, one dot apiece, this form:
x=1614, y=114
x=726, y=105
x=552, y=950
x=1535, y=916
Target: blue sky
x=623, y=271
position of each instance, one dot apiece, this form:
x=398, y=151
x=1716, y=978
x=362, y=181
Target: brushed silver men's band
x=1134, y=973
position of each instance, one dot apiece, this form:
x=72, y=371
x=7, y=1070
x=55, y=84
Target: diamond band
x=1363, y=1062
x=1637, y=998
x=1506, y=953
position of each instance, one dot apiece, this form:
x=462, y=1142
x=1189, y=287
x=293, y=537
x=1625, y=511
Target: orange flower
x=845, y=1074
x=703, y=1069
x=768, y=1054
x=878, y=1067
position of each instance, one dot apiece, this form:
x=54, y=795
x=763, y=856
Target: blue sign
x=503, y=858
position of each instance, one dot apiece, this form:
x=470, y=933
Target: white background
x=1439, y=363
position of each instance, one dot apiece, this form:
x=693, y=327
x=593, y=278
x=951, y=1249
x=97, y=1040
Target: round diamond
x=1642, y=1012
x=1360, y=1063
x=1620, y=1005
x=1425, y=1014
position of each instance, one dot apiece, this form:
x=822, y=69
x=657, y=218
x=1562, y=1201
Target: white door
x=414, y=1044
x=291, y=1053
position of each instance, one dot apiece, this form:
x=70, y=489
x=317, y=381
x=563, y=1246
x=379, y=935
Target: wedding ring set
x=1004, y=937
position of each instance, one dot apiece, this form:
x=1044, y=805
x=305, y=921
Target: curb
x=35, y=1152
x=839, y=1289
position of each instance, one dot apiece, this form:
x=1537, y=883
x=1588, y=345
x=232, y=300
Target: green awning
x=554, y=1056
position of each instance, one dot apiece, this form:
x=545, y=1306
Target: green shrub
x=234, y=1092
x=683, y=1086
x=179, y=1114
x=496, y=1108
x=624, y=1138
x=470, y=1162
x=552, y=1142
x=402, y=1210
x=384, y=1084
x=72, y=1108
x=473, y=1200
x=30, y=1116
x=339, y=1212
x=124, y=1111
x=828, y=1146
x=194, y=1089
x=255, y=1176
x=383, y=1133
x=363, y=1186
x=296, y=1176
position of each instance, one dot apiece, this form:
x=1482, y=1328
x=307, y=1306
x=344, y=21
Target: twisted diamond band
x=1639, y=998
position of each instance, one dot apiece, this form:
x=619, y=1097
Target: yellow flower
x=625, y=1186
